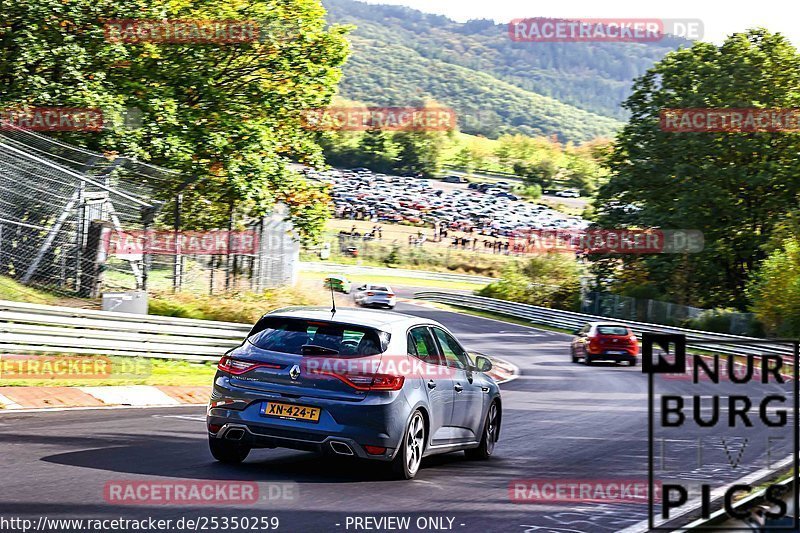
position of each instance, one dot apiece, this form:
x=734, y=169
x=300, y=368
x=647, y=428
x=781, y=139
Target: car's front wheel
x=406, y=463
x=491, y=434
x=227, y=451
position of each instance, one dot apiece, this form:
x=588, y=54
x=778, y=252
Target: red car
x=605, y=341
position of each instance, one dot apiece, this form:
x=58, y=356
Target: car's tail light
x=387, y=382
x=370, y=294
x=213, y=428
x=390, y=295
x=237, y=366
x=375, y=450
x=367, y=381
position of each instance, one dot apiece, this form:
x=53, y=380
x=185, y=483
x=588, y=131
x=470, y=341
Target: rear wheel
x=228, y=451
x=491, y=433
x=406, y=463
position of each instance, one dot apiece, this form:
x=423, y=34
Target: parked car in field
x=568, y=193
x=375, y=295
x=338, y=283
x=455, y=179
x=353, y=383
x=605, y=341
x=412, y=201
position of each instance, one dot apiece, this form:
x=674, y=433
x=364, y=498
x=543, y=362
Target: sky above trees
x=720, y=18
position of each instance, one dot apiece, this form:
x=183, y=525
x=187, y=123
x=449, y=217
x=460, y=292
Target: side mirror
x=482, y=363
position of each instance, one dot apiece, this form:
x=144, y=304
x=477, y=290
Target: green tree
x=464, y=160
x=419, y=152
x=583, y=174
x=551, y=280
x=735, y=187
x=775, y=291
x=540, y=173
x=229, y=115
x=376, y=149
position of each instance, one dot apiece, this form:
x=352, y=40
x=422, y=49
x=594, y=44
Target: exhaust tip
x=341, y=448
x=234, y=434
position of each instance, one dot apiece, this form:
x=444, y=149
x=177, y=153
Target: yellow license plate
x=292, y=412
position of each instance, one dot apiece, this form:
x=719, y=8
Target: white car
x=568, y=193
x=375, y=295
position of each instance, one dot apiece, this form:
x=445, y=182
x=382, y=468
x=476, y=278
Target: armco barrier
x=44, y=328
x=571, y=321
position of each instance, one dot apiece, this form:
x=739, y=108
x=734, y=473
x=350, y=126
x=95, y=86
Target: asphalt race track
x=561, y=420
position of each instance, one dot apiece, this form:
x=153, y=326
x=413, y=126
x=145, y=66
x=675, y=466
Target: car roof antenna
x=333, y=301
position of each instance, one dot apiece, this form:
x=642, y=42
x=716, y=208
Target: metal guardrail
x=571, y=321
x=44, y=328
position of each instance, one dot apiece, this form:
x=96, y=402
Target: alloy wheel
x=415, y=442
x=492, y=428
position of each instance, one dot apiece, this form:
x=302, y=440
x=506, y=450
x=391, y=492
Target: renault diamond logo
x=294, y=373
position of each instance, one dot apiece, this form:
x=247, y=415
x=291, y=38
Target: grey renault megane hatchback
x=369, y=384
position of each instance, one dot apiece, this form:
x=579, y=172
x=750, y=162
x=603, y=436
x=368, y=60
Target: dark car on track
x=376, y=385
x=605, y=341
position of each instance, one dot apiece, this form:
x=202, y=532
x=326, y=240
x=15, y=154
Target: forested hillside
x=572, y=90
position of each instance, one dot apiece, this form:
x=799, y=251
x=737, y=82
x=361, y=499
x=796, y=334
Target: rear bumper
x=378, y=302
x=379, y=419
x=604, y=356
x=257, y=437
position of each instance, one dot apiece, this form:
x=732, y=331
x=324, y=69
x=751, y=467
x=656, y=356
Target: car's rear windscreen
x=613, y=330
x=314, y=337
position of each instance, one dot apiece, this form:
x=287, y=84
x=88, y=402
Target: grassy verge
x=14, y=291
x=396, y=281
x=111, y=371
x=246, y=307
